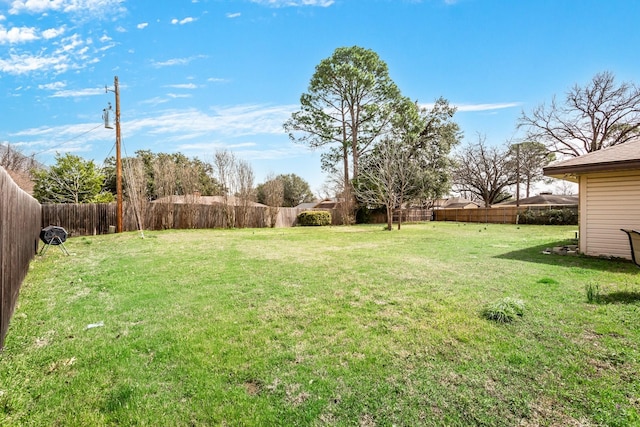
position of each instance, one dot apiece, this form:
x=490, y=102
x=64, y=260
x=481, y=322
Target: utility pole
x=517, y=174
x=116, y=90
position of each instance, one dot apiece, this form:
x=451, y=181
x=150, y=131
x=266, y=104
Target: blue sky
x=197, y=76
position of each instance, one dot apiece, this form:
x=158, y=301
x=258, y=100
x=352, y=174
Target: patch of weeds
x=547, y=281
x=5, y=403
x=118, y=398
x=593, y=293
x=505, y=310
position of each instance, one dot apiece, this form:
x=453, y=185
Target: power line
x=69, y=140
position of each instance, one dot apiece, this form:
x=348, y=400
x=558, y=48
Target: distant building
x=455, y=203
x=23, y=180
x=544, y=199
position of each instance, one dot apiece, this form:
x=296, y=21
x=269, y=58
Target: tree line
x=391, y=152
x=149, y=176
x=380, y=148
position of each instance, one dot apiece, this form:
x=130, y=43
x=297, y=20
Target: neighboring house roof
x=616, y=158
x=544, y=199
x=327, y=204
x=205, y=200
x=22, y=180
x=454, y=203
x=310, y=205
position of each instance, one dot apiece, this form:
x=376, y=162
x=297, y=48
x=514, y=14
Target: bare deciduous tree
x=245, y=190
x=135, y=180
x=484, y=171
x=224, y=165
x=387, y=177
x=596, y=116
x=13, y=159
x=165, y=177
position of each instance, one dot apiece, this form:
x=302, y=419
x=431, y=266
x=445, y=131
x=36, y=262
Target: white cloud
x=105, y=38
x=94, y=9
x=190, y=127
x=487, y=107
x=71, y=43
x=142, y=25
x=175, y=61
x=479, y=107
x=53, y=86
x=179, y=95
x=68, y=53
x=295, y=3
x=217, y=80
x=24, y=63
x=52, y=33
x=106, y=47
x=171, y=62
x=75, y=93
x=233, y=15
x=155, y=101
x=17, y=35
x=229, y=121
x=2, y=17
x=34, y=6
x=186, y=20
x=183, y=86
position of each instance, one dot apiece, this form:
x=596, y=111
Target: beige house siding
x=608, y=202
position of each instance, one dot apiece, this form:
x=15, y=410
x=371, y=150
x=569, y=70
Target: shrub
x=564, y=216
x=314, y=218
x=504, y=311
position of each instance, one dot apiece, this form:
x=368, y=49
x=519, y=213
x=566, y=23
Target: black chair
x=634, y=241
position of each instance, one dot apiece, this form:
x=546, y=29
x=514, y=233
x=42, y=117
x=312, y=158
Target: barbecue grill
x=53, y=235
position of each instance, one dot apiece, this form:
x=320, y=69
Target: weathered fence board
x=19, y=233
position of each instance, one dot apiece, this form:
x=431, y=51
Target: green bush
x=314, y=218
x=504, y=311
x=563, y=216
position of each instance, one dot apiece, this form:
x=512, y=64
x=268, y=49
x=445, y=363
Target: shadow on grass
x=623, y=297
x=535, y=254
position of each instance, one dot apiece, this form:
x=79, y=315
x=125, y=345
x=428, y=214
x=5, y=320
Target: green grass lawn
x=323, y=326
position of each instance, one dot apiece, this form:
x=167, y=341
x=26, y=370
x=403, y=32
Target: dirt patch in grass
x=252, y=388
x=545, y=411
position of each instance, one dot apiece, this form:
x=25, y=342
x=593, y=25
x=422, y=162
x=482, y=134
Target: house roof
x=544, y=199
x=616, y=158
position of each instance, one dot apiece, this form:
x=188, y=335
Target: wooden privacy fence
x=494, y=215
x=413, y=215
x=91, y=219
x=19, y=233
